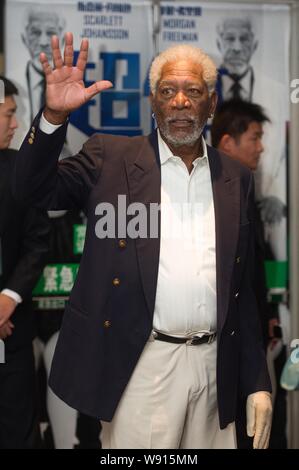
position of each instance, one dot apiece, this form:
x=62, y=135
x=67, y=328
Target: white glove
x=259, y=418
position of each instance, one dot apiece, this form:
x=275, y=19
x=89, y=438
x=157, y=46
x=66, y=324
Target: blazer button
x=30, y=141
x=116, y=282
x=107, y=324
x=238, y=259
x=122, y=243
x=236, y=295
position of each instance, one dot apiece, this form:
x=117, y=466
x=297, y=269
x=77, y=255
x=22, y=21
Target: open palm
x=65, y=87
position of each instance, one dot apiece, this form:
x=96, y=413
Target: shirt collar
x=166, y=154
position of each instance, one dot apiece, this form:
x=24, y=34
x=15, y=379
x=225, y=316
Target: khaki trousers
x=170, y=402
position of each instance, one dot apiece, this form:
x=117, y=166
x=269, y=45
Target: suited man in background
x=237, y=130
x=138, y=346
x=239, y=80
x=236, y=43
x=24, y=236
x=40, y=24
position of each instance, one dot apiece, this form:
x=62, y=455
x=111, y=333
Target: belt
x=193, y=341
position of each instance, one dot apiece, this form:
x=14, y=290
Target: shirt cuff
x=46, y=127
x=13, y=295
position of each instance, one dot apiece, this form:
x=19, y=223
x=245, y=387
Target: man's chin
x=237, y=69
x=178, y=141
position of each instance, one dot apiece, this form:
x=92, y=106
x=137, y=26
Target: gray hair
x=184, y=52
x=41, y=12
x=245, y=21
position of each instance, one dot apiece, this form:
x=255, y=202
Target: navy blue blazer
x=107, y=324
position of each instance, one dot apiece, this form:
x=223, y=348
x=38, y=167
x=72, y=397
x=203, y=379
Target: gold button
x=116, y=282
x=33, y=129
x=30, y=141
x=32, y=135
x=238, y=259
x=122, y=243
x=107, y=324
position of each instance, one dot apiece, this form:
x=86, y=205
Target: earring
x=211, y=116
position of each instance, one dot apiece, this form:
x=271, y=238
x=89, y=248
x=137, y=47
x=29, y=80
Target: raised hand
x=65, y=90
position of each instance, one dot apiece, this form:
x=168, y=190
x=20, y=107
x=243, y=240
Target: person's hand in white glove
x=259, y=418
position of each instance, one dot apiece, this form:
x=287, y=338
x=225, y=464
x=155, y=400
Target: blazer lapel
x=226, y=193
x=144, y=180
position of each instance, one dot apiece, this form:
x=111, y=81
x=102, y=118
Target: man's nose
x=181, y=100
x=261, y=147
x=44, y=40
x=237, y=45
x=14, y=123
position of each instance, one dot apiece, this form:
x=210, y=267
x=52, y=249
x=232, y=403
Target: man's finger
x=83, y=55
x=96, y=88
x=263, y=422
x=45, y=64
x=259, y=436
x=57, y=59
x=250, y=418
x=265, y=438
x=266, y=445
x=68, y=50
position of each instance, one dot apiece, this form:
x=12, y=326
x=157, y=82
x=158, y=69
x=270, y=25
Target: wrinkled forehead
x=43, y=20
x=236, y=26
x=182, y=70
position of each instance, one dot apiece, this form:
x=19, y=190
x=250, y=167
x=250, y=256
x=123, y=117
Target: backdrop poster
x=120, y=36
x=250, y=43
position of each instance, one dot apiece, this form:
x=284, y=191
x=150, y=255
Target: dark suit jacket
x=24, y=243
x=106, y=326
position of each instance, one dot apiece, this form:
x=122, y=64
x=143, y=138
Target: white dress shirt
x=186, y=288
x=246, y=86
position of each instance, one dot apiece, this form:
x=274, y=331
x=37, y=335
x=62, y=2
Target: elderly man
x=236, y=43
x=41, y=24
x=157, y=317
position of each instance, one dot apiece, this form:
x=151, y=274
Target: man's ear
x=213, y=102
x=24, y=40
x=152, y=101
x=255, y=44
x=226, y=143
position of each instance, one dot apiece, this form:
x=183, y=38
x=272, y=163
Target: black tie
x=235, y=89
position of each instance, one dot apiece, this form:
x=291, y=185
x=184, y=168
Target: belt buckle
x=153, y=335
x=190, y=342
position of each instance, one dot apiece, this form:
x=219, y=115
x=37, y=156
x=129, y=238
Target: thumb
x=96, y=88
x=250, y=416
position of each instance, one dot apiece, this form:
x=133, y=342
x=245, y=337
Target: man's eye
x=167, y=91
x=194, y=92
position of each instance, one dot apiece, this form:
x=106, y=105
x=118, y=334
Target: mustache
x=181, y=118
